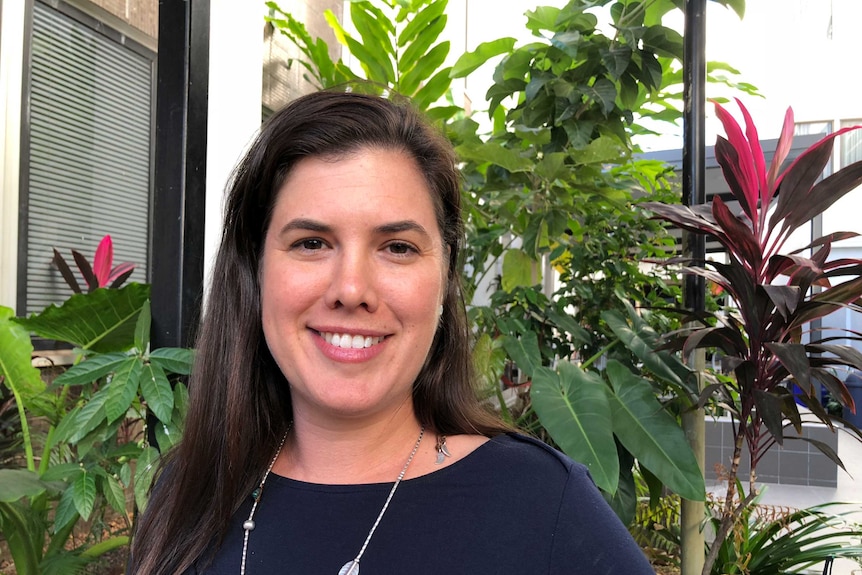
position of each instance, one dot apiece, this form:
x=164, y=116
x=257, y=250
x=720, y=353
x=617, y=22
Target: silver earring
x=440, y=310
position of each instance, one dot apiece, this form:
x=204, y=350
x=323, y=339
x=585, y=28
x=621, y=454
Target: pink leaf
x=103, y=259
x=756, y=150
x=781, y=151
x=747, y=172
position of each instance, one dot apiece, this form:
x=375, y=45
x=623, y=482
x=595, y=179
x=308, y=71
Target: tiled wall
x=797, y=462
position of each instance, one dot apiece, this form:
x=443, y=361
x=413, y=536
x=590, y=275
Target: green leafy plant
x=775, y=541
x=92, y=448
x=761, y=337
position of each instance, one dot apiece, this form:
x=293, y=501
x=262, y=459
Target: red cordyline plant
x=101, y=273
x=767, y=340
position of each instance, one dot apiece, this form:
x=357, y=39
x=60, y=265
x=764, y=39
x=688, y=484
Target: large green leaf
x=103, y=320
x=573, y=407
x=91, y=369
x=518, y=270
x=84, y=494
x=471, y=61
x=157, y=392
x=421, y=21
x=18, y=483
x=649, y=432
x=144, y=474
x=174, y=359
x=16, y=364
x=123, y=388
x=524, y=351
x=638, y=341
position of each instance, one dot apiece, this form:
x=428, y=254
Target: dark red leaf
x=835, y=386
x=829, y=238
x=793, y=357
x=824, y=448
x=743, y=243
x=66, y=272
x=119, y=279
x=827, y=192
x=728, y=158
x=785, y=298
x=769, y=409
x=86, y=270
x=851, y=356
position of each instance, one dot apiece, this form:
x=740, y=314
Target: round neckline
x=354, y=487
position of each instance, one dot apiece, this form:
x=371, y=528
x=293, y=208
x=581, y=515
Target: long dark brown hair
x=239, y=399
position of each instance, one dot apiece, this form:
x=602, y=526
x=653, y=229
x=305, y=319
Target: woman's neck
x=351, y=452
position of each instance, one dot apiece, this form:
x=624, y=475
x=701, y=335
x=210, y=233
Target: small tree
x=766, y=338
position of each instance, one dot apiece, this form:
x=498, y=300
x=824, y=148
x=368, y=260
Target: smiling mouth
x=348, y=341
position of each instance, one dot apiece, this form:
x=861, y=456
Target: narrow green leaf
x=518, y=270
x=114, y=494
x=524, y=351
x=76, y=424
x=84, y=494
x=370, y=22
x=123, y=388
x=651, y=434
x=126, y=474
x=471, y=61
x=421, y=20
x=157, y=392
x=91, y=369
x=144, y=473
x=65, y=512
x=142, y=328
x=573, y=407
x=419, y=47
x=174, y=359
x=432, y=91
x=410, y=81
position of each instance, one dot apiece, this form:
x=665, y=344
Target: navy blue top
x=512, y=507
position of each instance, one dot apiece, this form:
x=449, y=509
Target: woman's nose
x=352, y=283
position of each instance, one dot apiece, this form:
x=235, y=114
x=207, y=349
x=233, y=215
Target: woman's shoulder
x=518, y=457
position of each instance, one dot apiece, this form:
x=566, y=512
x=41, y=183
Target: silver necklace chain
x=351, y=567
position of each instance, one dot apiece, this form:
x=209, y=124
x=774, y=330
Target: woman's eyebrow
x=402, y=226
x=305, y=224
x=309, y=225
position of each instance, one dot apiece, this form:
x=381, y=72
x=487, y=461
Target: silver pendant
x=350, y=568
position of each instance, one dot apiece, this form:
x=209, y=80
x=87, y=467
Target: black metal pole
x=694, y=141
x=177, y=218
x=694, y=246
x=176, y=271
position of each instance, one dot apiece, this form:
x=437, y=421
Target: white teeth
x=348, y=341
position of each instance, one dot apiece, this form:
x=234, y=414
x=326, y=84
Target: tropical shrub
x=765, y=338
x=83, y=436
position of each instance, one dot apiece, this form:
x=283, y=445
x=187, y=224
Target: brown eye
x=400, y=248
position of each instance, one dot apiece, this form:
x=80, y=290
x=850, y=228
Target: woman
x=332, y=421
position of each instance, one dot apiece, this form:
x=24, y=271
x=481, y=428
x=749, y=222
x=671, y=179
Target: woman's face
x=353, y=274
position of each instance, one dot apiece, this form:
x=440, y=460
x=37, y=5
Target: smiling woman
x=333, y=370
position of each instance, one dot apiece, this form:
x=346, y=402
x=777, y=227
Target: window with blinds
x=87, y=164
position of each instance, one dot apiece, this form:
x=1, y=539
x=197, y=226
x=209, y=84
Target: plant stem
x=599, y=354
x=25, y=430
x=105, y=546
x=729, y=513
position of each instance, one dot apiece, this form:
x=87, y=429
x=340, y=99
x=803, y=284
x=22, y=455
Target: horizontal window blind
x=89, y=168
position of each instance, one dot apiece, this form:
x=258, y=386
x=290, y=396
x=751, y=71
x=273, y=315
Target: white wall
x=234, y=114
x=11, y=71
